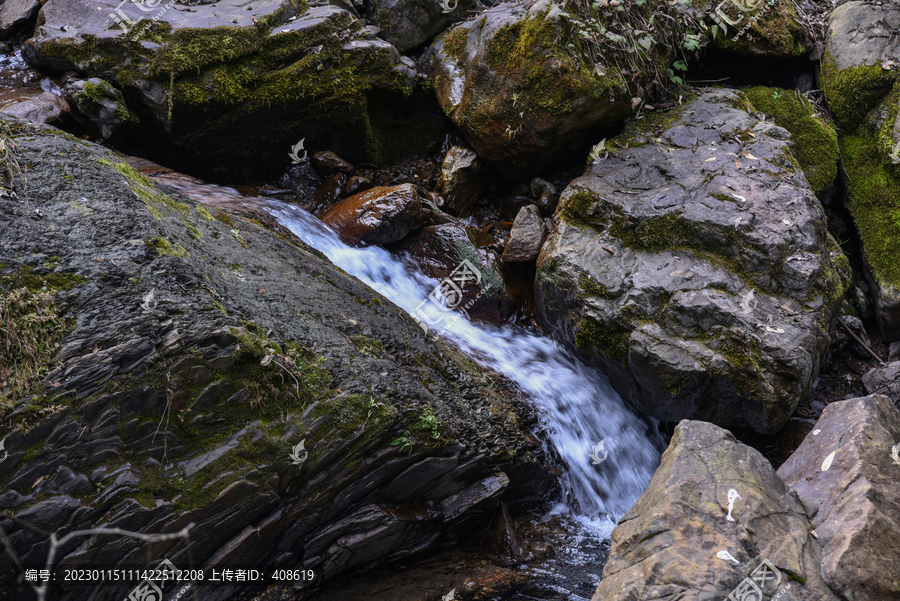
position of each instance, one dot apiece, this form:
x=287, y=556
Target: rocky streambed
x=394, y=337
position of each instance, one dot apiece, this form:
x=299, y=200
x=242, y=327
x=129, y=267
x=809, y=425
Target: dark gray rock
x=99, y=104
x=14, y=13
x=305, y=74
x=46, y=108
x=526, y=236
x=107, y=434
x=884, y=380
x=461, y=180
x=695, y=269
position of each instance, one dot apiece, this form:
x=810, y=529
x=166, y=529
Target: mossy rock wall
x=232, y=96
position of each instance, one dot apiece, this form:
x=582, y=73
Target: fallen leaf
x=749, y=156
x=710, y=159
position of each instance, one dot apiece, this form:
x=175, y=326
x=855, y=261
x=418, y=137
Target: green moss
x=225, y=218
x=852, y=93
x=815, y=140
x=368, y=346
x=874, y=202
x=204, y=212
x=31, y=327
x=454, y=43
x=161, y=246
x=593, y=288
x=41, y=281
x=611, y=339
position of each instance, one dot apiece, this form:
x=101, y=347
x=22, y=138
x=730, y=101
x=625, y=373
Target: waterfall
x=577, y=407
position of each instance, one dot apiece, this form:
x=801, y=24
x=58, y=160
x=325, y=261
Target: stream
x=576, y=405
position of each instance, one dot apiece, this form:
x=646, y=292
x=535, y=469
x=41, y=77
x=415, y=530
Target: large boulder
x=845, y=473
x=509, y=83
x=859, y=76
x=234, y=90
x=712, y=494
x=694, y=268
x=167, y=364
x=15, y=13
x=99, y=104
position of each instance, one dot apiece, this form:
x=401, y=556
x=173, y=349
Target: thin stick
x=708, y=80
x=860, y=342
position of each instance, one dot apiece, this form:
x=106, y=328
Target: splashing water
x=577, y=406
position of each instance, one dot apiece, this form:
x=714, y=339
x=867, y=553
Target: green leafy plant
x=404, y=442
x=635, y=39
x=373, y=405
x=429, y=422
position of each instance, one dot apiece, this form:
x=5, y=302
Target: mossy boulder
x=233, y=90
x=186, y=356
x=815, y=140
x=507, y=80
x=861, y=83
x=695, y=269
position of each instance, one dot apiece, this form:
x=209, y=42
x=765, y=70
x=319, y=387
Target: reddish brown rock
x=376, y=216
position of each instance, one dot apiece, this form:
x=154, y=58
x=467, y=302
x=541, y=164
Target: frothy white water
x=577, y=406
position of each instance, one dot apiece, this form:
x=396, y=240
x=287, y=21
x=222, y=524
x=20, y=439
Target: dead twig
x=860, y=342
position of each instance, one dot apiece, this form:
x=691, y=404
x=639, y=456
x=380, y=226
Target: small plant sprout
x=895, y=154
x=373, y=405
x=429, y=422
x=403, y=442
x=597, y=150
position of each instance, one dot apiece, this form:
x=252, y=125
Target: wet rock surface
x=694, y=268
x=845, y=475
x=376, y=216
x=241, y=339
x=45, y=108
x=526, y=236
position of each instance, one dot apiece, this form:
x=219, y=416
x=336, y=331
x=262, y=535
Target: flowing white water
x=577, y=406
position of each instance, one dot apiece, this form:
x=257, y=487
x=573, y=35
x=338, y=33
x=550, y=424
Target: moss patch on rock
x=815, y=140
x=852, y=93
